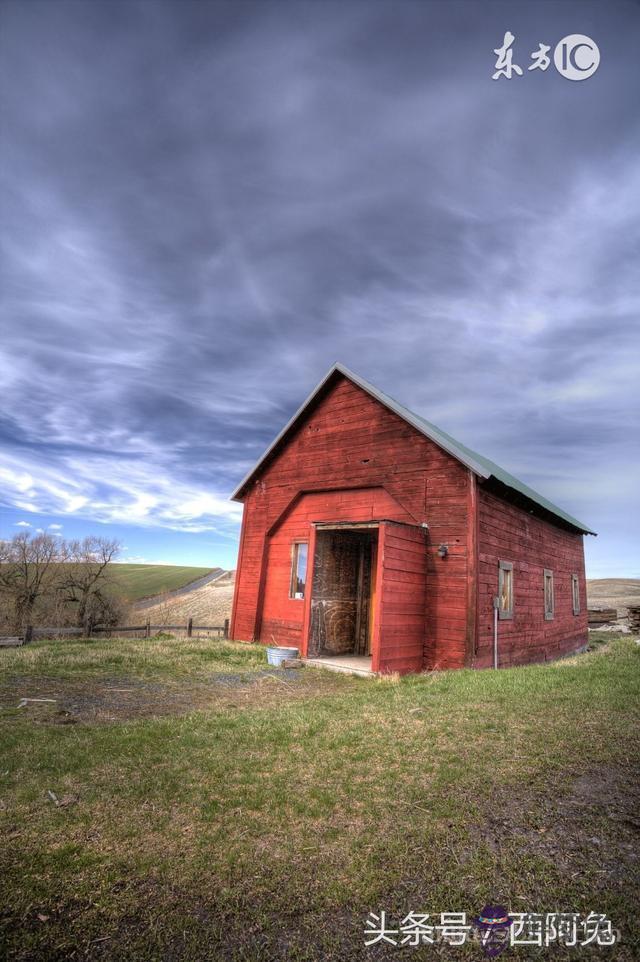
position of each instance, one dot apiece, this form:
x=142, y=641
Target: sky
x=205, y=205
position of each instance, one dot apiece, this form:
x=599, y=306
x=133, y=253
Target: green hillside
x=143, y=581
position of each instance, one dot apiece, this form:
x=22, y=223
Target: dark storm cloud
x=205, y=205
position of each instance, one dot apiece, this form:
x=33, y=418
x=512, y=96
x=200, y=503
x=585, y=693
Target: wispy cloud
x=123, y=491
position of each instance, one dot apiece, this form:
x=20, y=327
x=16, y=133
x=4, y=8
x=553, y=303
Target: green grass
x=162, y=658
x=143, y=581
x=269, y=829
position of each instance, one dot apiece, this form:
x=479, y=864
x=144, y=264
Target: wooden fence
x=146, y=630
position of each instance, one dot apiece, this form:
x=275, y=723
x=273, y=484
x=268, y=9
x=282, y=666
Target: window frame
x=505, y=614
x=549, y=613
x=575, y=593
x=293, y=572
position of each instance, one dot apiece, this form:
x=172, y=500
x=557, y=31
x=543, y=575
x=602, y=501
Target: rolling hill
x=616, y=593
x=137, y=581
x=207, y=604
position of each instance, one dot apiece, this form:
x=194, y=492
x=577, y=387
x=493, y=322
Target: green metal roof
x=480, y=465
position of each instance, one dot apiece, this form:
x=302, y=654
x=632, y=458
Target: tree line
x=52, y=582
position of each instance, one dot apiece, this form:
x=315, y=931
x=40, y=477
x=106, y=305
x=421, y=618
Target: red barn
x=372, y=539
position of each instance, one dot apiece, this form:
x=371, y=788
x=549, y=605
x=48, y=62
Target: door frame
x=316, y=526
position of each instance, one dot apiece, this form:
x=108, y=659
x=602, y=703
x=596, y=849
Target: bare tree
x=162, y=611
x=85, y=583
x=27, y=572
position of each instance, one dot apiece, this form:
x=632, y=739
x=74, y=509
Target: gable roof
x=481, y=466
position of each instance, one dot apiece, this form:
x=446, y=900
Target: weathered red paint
x=350, y=459
x=509, y=534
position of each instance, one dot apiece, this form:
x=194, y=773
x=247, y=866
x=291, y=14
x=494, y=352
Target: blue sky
x=205, y=205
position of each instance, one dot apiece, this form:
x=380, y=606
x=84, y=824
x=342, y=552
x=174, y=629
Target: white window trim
x=293, y=571
x=505, y=614
x=575, y=594
x=549, y=615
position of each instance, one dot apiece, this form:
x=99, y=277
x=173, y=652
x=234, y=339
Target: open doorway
x=343, y=592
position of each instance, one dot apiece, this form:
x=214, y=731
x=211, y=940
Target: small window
x=299, y=551
x=575, y=594
x=505, y=590
x=548, y=595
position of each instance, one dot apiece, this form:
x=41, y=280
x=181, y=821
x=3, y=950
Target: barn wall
x=508, y=533
x=350, y=440
x=282, y=617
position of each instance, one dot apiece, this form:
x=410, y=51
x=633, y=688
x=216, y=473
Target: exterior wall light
x=443, y=550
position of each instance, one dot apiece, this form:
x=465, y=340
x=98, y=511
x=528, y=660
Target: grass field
x=208, y=808
x=137, y=581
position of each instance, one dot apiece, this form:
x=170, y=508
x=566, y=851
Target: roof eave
x=239, y=491
x=374, y=393
x=557, y=513
x=415, y=422
x=418, y=424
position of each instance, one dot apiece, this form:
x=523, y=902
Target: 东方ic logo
x=575, y=57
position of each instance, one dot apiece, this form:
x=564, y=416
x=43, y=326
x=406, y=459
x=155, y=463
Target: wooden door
x=400, y=617
x=341, y=593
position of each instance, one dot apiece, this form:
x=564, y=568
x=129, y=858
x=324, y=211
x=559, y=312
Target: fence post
x=28, y=634
x=226, y=629
x=189, y=627
x=147, y=629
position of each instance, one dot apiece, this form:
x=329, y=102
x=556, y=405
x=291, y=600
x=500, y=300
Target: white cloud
x=145, y=492
x=22, y=524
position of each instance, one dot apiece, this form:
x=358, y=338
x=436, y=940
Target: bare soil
x=123, y=698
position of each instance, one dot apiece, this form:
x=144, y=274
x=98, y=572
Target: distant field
x=142, y=581
x=614, y=593
x=208, y=604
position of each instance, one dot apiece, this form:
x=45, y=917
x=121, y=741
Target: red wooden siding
x=349, y=442
x=507, y=533
x=350, y=459
x=400, y=622
x=282, y=618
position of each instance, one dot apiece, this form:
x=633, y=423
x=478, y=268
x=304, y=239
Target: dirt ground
x=116, y=699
